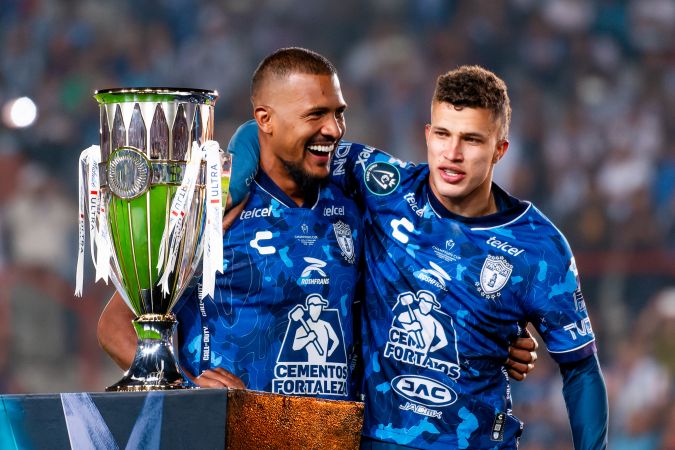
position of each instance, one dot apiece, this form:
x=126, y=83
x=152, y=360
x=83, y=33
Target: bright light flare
x=19, y=113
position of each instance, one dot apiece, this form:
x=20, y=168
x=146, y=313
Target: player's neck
x=300, y=195
x=479, y=203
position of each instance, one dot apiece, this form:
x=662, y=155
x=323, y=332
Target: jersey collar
x=268, y=185
x=509, y=208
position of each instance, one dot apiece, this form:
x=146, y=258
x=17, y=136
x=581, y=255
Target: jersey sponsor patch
x=382, y=178
x=312, y=359
x=423, y=390
x=417, y=337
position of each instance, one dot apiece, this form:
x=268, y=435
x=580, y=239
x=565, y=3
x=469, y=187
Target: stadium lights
x=19, y=112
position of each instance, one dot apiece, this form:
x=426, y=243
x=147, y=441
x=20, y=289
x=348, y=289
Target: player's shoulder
x=538, y=227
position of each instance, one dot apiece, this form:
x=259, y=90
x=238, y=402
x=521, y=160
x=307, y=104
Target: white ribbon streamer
x=103, y=244
x=88, y=196
x=213, y=235
x=179, y=208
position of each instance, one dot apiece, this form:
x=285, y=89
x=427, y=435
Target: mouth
x=451, y=176
x=451, y=173
x=321, y=150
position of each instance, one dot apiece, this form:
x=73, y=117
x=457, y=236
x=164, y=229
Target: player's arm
x=586, y=400
x=557, y=301
x=115, y=332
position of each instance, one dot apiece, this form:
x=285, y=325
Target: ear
x=500, y=151
x=427, y=130
x=263, y=115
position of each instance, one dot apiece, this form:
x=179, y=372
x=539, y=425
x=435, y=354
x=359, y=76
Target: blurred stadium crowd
x=592, y=144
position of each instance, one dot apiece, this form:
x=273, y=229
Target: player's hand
x=217, y=378
x=312, y=336
x=522, y=355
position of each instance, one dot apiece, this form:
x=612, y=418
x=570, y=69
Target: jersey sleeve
x=360, y=170
x=556, y=306
x=586, y=400
x=245, y=150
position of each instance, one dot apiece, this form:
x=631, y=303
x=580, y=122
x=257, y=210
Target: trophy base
x=154, y=367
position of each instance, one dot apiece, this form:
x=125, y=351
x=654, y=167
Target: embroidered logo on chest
x=495, y=273
x=343, y=234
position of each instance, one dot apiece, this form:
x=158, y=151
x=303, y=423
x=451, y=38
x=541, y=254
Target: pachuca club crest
x=343, y=234
x=494, y=275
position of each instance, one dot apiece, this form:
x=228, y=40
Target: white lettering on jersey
x=504, y=246
x=410, y=198
x=263, y=236
x=340, y=159
x=421, y=410
x=334, y=211
x=256, y=212
x=582, y=329
x=363, y=156
x=397, y=233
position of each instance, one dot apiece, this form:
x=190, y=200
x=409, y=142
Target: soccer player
x=446, y=247
x=291, y=255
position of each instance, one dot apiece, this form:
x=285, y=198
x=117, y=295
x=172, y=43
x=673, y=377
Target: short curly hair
x=476, y=87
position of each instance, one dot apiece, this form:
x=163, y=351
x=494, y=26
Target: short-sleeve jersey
x=444, y=297
x=281, y=317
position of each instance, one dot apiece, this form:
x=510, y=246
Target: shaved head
x=287, y=61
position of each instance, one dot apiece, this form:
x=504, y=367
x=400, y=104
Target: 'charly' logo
x=263, y=236
x=396, y=232
x=382, y=178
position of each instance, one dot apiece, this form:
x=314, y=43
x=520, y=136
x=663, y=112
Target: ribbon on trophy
x=213, y=239
x=213, y=234
x=89, y=190
x=91, y=198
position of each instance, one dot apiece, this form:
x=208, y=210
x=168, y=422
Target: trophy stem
x=154, y=366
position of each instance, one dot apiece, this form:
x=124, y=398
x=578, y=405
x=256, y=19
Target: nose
x=453, y=150
x=334, y=127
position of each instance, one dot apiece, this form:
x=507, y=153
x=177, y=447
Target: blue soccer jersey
x=445, y=295
x=281, y=319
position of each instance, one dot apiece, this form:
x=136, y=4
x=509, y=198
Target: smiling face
x=463, y=145
x=301, y=118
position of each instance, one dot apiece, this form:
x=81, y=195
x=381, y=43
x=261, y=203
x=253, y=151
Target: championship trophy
x=151, y=196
